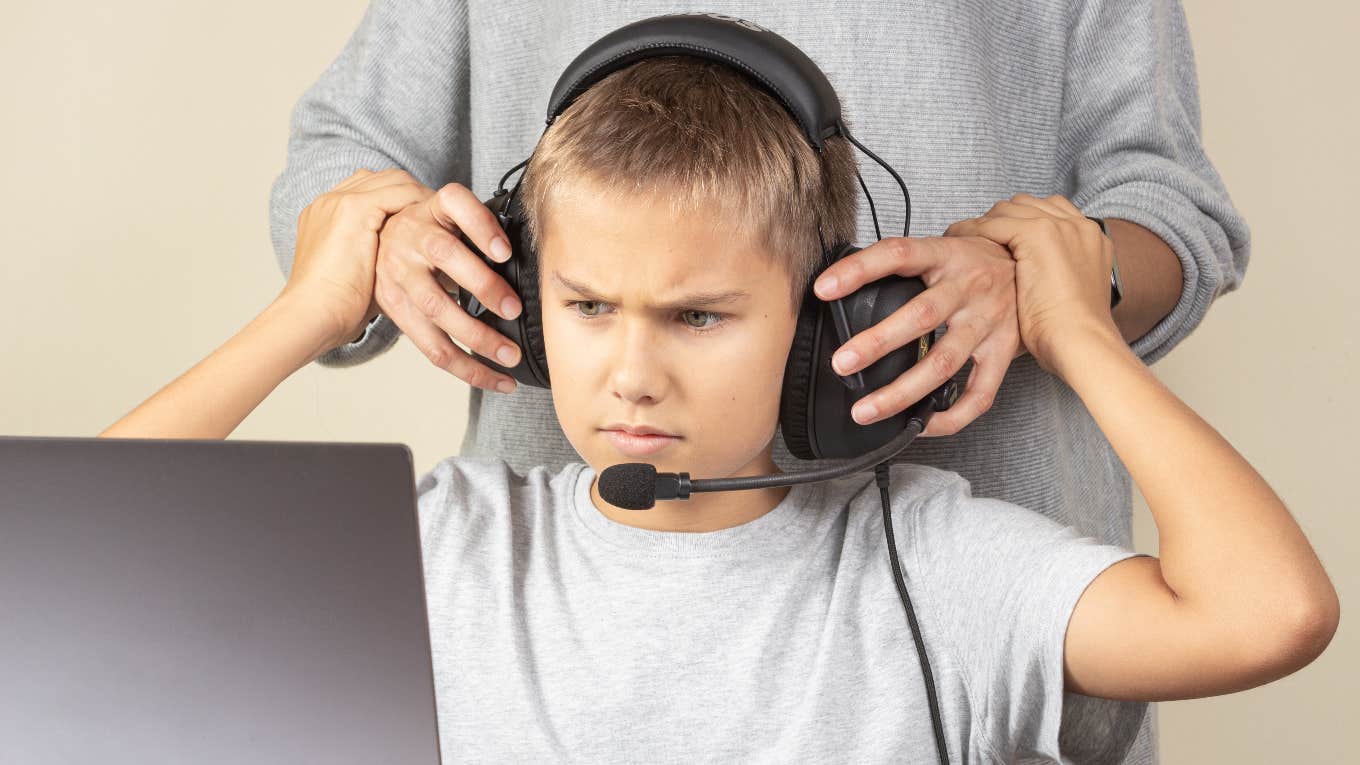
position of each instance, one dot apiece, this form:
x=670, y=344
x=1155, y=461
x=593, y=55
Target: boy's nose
x=639, y=370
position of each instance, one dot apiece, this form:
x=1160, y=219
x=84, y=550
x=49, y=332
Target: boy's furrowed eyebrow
x=697, y=300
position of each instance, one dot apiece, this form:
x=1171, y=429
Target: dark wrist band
x=1116, y=282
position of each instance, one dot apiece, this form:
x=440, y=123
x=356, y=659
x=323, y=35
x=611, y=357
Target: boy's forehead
x=603, y=247
x=678, y=297
x=661, y=277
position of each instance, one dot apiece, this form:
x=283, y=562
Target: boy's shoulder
x=911, y=488
x=955, y=536
x=488, y=471
x=943, y=501
x=489, y=485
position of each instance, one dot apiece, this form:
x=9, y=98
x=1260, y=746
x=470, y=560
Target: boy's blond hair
x=711, y=142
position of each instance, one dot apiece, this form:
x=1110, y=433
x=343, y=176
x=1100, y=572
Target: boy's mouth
x=637, y=430
x=638, y=440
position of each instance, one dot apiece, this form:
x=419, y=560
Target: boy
x=765, y=624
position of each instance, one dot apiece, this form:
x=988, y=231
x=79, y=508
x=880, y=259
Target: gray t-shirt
x=559, y=634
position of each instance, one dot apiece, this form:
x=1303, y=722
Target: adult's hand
x=970, y=288
x=1062, y=270
x=420, y=258
x=337, y=243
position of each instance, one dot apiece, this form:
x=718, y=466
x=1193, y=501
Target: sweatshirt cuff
x=380, y=334
x=1198, y=242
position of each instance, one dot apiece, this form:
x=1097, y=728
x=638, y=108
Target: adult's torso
x=962, y=98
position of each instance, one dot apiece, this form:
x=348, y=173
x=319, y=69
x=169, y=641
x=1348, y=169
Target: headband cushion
x=774, y=63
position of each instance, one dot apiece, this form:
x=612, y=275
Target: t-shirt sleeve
x=459, y=498
x=1000, y=583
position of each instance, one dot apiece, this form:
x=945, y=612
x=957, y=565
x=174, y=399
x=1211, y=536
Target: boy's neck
x=703, y=511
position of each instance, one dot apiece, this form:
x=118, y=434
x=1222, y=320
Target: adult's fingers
x=991, y=359
x=364, y=179
x=444, y=252
x=456, y=208
x=437, y=346
x=945, y=358
x=920, y=315
x=1045, y=205
x=418, y=290
x=904, y=256
x=390, y=198
x=424, y=292
x=1002, y=230
x=367, y=179
x=353, y=179
x=1063, y=203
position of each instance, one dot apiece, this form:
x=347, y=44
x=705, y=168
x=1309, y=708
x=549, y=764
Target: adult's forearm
x=1229, y=547
x=213, y=397
x=1152, y=278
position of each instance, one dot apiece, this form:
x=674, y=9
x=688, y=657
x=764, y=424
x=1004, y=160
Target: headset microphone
x=637, y=485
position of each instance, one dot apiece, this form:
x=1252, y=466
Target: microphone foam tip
x=631, y=486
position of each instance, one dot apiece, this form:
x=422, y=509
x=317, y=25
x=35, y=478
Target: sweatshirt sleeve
x=396, y=96
x=1129, y=148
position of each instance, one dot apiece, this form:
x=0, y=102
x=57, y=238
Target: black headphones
x=815, y=402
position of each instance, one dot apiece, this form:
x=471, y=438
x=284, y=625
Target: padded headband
x=773, y=62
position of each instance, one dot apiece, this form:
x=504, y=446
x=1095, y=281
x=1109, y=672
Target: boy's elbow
x=1317, y=624
x=1304, y=631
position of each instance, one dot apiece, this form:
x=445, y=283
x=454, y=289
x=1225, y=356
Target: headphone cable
x=906, y=197
x=881, y=478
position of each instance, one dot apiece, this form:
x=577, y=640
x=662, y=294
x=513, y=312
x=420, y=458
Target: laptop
x=173, y=601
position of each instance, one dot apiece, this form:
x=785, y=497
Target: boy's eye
x=698, y=321
x=590, y=303
x=701, y=315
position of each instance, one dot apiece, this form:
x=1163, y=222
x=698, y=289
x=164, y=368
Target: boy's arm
x=1237, y=599
x=327, y=300
x=213, y=397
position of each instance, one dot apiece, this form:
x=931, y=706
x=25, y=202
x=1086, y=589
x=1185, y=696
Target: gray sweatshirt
x=971, y=102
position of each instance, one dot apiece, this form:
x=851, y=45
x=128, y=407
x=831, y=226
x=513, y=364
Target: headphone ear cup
x=521, y=273
x=534, y=355
x=816, y=402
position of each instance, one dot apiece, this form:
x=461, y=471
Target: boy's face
x=628, y=345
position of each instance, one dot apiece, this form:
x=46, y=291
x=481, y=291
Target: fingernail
x=506, y=354
x=826, y=285
x=500, y=249
x=505, y=386
x=844, y=361
x=864, y=412
x=509, y=308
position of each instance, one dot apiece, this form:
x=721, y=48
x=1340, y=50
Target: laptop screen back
x=211, y=602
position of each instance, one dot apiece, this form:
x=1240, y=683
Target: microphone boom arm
x=679, y=485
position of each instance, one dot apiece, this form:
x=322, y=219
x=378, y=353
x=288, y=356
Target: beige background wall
x=141, y=138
